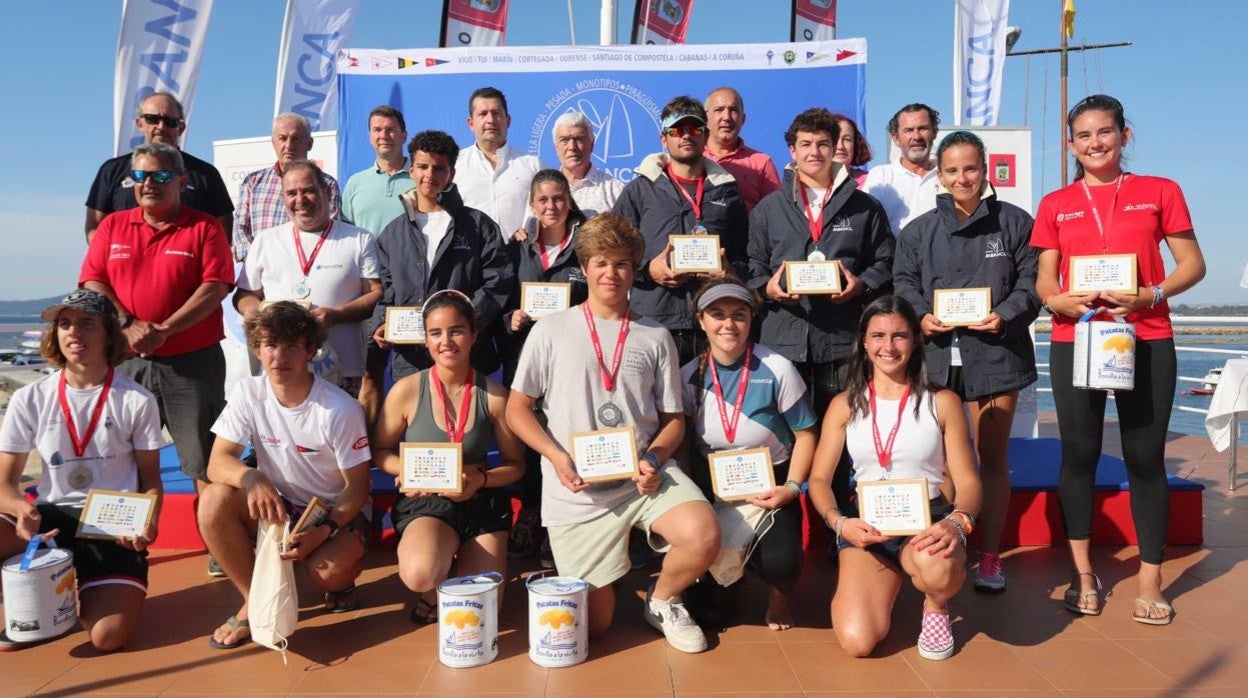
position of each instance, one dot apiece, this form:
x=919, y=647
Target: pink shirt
x=754, y=171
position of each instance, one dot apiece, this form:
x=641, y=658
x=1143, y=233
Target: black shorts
x=486, y=512
x=96, y=562
x=890, y=550
x=957, y=383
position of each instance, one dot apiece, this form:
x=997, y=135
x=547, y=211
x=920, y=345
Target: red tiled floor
x=1019, y=643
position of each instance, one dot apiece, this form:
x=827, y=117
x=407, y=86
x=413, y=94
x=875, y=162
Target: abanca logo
x=625, y=121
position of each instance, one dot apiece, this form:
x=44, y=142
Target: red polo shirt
x=1147, y=210
x=754, y=171
x=154, y=273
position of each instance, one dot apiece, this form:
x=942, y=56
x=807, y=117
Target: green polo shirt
x=371, y=199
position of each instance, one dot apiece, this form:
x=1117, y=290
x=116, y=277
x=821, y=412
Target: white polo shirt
x=903, y=194
x=501, y=193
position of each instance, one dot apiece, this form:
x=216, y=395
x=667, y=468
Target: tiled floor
x=1020, y=643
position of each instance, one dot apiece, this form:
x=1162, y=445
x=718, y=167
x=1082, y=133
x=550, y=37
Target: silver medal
x=700, y=229
x=815, y=256
x=80, y=478
x=610, y=415
x=301, y=290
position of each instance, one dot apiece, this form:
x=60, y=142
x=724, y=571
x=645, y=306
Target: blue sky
x=58, y=81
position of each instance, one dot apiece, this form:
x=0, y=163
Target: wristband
x=652, y=459
x=333, y=527
x=965, y=518
x=958, y=525
x=795, y=486
x=1159, y=295
x=125, y=320
x=485, y=478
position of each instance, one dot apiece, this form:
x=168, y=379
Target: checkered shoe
x=936, y=637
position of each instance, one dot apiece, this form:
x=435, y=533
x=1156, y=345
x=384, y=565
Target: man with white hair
x=260, y=204
x=594, y=190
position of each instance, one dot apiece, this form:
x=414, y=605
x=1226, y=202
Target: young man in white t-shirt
x=631, y=378
x=316, y=260
x=310, y=441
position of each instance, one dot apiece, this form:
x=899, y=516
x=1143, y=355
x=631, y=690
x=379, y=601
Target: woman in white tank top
x=896, y=427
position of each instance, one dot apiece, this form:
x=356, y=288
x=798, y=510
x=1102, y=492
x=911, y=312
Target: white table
x=1228, y=406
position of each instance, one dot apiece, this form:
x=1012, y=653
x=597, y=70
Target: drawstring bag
x=273, y=603
x=741, y=526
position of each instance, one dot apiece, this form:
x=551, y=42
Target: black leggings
x=777, y=559
x=1144, y=417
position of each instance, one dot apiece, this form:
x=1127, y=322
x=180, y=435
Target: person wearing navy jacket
x=818, y=214
x=973, y=240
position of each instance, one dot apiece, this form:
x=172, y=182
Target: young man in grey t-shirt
x=631, y=377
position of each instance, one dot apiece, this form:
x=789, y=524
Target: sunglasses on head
x=168, y=121
x=158, y=176
x=685, y=130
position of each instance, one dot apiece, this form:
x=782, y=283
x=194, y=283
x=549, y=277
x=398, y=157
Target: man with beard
x=907, y=188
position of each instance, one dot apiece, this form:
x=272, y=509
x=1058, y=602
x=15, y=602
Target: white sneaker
x=673, y=620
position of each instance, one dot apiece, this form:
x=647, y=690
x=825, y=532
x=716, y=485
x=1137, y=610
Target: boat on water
x=1210, y=382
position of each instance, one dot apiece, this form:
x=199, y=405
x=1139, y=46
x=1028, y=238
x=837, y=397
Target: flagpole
x=606, y=23
x=1065, y=71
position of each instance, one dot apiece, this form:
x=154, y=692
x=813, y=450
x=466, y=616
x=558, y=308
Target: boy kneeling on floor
x=310, y=441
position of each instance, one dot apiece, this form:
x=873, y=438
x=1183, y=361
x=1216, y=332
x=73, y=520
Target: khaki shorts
x=597, y=550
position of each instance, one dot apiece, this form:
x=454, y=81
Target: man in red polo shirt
x=754, y=171
x=167, y=267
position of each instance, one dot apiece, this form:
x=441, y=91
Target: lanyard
x=608, y=377
x=885, y=451
x=1096, y=214
x=80, y=445
x=541, y=248
x=694, y=201
x=816, y=224
x=454, y=425
x=730, y=427
x=305, y=263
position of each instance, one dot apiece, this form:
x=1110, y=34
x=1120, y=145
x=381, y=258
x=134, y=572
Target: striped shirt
x=261, y=206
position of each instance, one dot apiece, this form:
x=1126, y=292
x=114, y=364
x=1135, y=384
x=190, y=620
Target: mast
x=1065, y=71
x=606, y=23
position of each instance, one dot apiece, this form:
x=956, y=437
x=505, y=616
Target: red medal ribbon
x=884, y=452
x=541, y=249
x=816, y=224
x=730, y=427
x=454, y=426
x=694, y=201
x=608, y=377
x=1096, y=214
x=305, y=263
x=80, y=445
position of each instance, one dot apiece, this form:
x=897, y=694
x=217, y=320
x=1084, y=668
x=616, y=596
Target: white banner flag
x=159, y=50
x=978, y=60
x=474, y=23
x=307, y=74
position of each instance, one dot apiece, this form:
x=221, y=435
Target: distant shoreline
x=1229, y=330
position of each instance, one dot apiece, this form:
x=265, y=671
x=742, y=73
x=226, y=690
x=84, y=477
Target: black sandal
x=424, y=613
x=342, y=601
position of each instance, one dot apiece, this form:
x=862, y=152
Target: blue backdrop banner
x=620, y=88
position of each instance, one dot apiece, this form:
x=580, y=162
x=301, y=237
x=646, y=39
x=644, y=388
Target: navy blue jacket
x=990, y=249
x=564, y=268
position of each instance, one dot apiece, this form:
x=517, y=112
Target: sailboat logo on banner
x=615, y=110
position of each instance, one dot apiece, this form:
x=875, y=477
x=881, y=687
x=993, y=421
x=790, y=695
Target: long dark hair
x=451, y=298
x=575, y=215
x=861, y=370
x=704, y=357
x=1103, y=103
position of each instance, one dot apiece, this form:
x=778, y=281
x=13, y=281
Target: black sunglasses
x=168, y=121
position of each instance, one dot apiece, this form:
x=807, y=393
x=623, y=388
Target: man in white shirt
x=492, y=176
x=316, y=260
x=907, y=188
x=310, y=443
x=594, y=190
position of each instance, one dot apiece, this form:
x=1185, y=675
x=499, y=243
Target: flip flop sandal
x=424, y=613
x=1074, y=597
x=234, y=624
x=1149, y=607
x=342, y=601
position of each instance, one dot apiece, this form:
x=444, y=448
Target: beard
x=687, y=160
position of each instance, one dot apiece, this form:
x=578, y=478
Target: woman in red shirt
x=1110, y=211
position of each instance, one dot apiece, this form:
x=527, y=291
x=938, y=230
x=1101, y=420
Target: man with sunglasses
x=681, y=192
x=754, y=171
x=167, y=267
x=161, y=120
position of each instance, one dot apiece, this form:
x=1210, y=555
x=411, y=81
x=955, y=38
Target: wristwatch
x=333, y=527
x=652, y=459
x=125, y=320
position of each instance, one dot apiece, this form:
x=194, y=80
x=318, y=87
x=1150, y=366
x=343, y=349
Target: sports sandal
x=1074, y=597
x=1148, y=618
x=342, y=601
x=424, y=613
x=234, y=624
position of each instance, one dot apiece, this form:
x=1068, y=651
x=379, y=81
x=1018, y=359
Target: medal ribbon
x=608, y=377
x=885, y=451
x=1096, y=214
x=454, y=425
x=305, y=263
x=816, y=224
x=694, y=201
x=730, y=427
x=541, y=248
x=80, y=445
